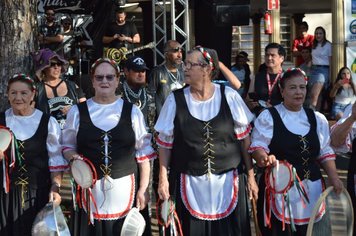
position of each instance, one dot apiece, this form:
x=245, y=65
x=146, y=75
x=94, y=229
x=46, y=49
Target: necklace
x=173, y=78
x=136, y=96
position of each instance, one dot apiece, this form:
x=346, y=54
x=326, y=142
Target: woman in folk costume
x=298, y=138
x=31, y=168
x=110, y=133
x=343, y=139
x=203, y=139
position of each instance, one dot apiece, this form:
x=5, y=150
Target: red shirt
x=300, y=43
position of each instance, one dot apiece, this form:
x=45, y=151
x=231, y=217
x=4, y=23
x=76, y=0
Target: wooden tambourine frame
x=318, y=204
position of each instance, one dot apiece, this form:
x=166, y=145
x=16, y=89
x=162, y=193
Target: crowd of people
x=203, y=137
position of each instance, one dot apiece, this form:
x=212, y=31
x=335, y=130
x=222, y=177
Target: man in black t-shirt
x=50, y=32
x=121, y=33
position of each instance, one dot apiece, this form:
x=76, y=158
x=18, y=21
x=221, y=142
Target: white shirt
x=24, y=127
x=205, y=111
x=320, y=55
x=106, y=117
x=295, y=122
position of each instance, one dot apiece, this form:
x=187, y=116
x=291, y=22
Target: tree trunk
x=18, y=27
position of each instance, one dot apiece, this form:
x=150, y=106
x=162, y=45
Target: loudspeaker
x=231, y=14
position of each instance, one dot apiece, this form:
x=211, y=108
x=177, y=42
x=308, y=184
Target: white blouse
x=205, y=111
x=347, y=146
x=24, y=127
x=320, y=55
x=295, y=122
x=106, y=117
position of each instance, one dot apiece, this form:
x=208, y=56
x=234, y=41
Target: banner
x=350, y=34
x=66, y=6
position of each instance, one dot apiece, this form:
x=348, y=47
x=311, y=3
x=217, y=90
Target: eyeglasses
x=100, y=78
x=188, y=65
x=53, y=64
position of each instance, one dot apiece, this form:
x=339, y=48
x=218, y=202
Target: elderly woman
x=55, y=96
x=34, y=175
x=300, y=136
x=111, y=133
x=203, y=140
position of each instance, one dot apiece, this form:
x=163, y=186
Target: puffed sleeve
x=326, y=152
x=165, y=123
x=240, y=113
x=56, y=161
x=70, y=130
x=144, y=150
x=347, y=146
x=262, y=132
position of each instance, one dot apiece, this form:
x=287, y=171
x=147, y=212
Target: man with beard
x=168, y=76
x=121, y=33
x=50, y=32
x=133, y=89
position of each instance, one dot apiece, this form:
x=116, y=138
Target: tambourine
x=338, y=218
x=279, y=179
x=50, y=221
x=83, y=172
x=5, y=138
x=134, y=224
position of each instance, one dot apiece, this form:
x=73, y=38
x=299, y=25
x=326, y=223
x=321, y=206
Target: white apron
x=113, y=197
x=301, y=211
x=210, y=198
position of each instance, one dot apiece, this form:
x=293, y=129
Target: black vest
x=196, y=141
x=35, y=157
x=121, y=148
x=299, y=151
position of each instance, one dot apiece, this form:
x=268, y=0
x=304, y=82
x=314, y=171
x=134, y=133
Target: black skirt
x=17, y=220
x=237, y=223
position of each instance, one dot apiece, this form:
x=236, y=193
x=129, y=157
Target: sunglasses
x=49, y=14
x=100, y=78
x=53, y=64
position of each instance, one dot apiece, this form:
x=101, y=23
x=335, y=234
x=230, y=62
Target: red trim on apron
x=209, y=216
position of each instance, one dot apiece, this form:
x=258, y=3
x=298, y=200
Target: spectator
x=242, y=71
x=168, y=76
x=343, y=92
x=320, y=73
x=55, y=95
x=50, y=32
x=303, y=40
x=264, y=91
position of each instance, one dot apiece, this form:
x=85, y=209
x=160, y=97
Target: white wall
x=315, y=20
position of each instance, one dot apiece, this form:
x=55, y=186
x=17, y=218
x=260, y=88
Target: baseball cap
x=244, y=54
x=136, y=63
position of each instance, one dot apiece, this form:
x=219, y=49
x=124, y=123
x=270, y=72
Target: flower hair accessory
x=24, y=77
x=206, y=55
x=107, y=60
x=295, y=69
